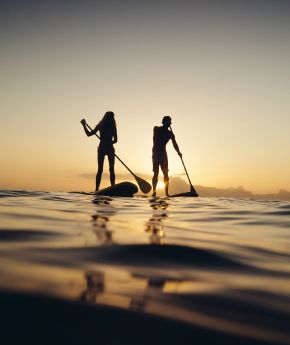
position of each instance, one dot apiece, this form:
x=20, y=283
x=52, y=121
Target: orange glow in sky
x=221, y=73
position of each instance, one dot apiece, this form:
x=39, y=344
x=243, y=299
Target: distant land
x=179, y=185
x=240, y=192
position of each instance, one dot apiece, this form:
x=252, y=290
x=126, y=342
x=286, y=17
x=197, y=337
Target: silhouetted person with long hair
x=161, y=136
x=108, y=137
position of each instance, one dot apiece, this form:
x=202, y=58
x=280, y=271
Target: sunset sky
x=220, y=69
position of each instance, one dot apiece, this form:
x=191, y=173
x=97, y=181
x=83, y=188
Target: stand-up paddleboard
x=126, y=189
x=187, y=194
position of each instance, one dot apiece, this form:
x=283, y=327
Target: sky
x=220, y=69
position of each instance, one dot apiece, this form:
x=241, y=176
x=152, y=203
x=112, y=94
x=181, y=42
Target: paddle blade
x=143, y=185
x=193, y=191
x=186, y=194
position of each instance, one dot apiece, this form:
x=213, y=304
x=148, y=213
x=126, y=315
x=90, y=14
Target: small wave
x=56, y=198
x=244, y=306
x=26, y=235
x=286, y=206
x=21, y=193
x=151, y=255
x=280, y=213
x=272, y=223
x=32, y=216
x=264, y=251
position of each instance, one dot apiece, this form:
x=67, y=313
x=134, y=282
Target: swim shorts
x=160, y=158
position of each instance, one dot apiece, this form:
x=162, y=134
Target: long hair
x=108, y=121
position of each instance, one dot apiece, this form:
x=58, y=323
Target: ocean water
x=142, y=270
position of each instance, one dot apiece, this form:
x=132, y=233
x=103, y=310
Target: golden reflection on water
x=100, y=221
x=95, y=281
x=153, y=288
x=60, y=265
x=103, y=234
x=151, y=298
x=154, y=227
x=102, y=287
x=110, y=287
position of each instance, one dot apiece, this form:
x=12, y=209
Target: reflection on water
x=216, y=264
x=154, y=227
x=95, y=281
x=101, y=200
x=153, y=288
x=100, y=220
x=158, y=203
x=103, y=234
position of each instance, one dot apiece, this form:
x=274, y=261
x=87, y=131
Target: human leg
x=154, y=182
x=101, y=158
x=155, y=173
x=111, y=158
x=164, y=168
x=166, y=182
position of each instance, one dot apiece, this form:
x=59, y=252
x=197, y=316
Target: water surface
x=219, y=267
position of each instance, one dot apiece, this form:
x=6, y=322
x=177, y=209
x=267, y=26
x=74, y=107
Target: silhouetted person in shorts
x=108, y=137
x=161, y=136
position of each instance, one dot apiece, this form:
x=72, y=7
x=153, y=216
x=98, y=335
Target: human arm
x=115, y=136
x=154, y=133
x=175, y=145
x=87, y=131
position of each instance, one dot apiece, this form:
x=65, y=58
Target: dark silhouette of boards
x=125, y=189
x=186, y=194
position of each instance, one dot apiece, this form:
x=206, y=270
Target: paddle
x=143, y=185
x=192, y=190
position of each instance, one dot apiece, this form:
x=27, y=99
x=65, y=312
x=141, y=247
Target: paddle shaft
x=186, y=172
x=184, y=167
x=119, y=159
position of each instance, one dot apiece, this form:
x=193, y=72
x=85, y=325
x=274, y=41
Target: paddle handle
x=119, y=159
